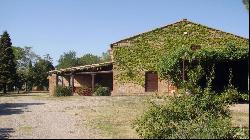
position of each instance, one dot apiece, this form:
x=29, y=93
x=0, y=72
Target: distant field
x=37, y=115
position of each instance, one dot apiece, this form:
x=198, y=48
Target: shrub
x=232, y=95
x=245, y=97
x=62, y=91
x=83, y=91
x=101, y=91
x=201, y=115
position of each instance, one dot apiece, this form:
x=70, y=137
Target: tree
x=246, y=3
x=68, y=59
x=40, y=72
x=88, y=59
x=7, y=62
x=25, y=58
x=106, y=57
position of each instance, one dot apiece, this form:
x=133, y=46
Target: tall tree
x=88, y=59
x=106, y=57
x=24, y=56
x=246, y=3
x=68, y=59
x=7, y=61
x=40, y=72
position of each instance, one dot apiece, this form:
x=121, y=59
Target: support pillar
x=72, y=81
x=68, y=78
x=93, y=82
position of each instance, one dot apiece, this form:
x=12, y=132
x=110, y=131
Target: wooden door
x=151, y=82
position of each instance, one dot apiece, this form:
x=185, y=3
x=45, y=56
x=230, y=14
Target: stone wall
x=164, y=87
x=82, y=80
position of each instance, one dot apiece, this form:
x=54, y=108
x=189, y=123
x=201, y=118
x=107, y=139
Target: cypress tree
x=7, y=62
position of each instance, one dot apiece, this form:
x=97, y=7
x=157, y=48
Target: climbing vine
x=163, y=50
x=197, y=61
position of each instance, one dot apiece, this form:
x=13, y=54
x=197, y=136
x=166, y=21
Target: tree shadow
x=14, y=108
x=24, y=94
x=5, y=132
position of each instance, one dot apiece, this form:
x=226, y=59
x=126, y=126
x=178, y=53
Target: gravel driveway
x=31, y=116
x=38, y=116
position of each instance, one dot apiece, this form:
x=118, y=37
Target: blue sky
x=90, y=26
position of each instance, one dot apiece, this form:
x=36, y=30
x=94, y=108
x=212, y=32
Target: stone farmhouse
x=134, y=60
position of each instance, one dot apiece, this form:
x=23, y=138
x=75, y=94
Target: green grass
x=114, y=116
x=26, y=129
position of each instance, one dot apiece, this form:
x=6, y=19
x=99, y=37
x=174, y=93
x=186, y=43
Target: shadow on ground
x=14, y=108
x=5, y=132
x=24, y=94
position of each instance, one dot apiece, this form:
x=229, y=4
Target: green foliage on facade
x=171, y=63
x=168, y=45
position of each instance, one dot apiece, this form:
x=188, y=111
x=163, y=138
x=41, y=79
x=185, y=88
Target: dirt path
x=31, y=117
x=38, y=116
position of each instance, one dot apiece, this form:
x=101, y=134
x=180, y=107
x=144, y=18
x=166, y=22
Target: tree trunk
x=4, y=88
x=26, y=86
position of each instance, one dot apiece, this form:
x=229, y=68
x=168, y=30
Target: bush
x=83, y=91
x=231, y=95
x=245, y=97
x=101, y=91
x=200, y=115
x=62, y=91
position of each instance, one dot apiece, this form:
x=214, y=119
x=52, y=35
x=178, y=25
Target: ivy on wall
x=162, y=50
x=197, y=61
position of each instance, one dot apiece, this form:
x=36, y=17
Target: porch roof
x=92, y=67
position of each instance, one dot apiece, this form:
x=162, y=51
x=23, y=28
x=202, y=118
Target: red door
x=151, y=82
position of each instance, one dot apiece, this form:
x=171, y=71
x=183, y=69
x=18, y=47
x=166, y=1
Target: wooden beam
x=98, y=72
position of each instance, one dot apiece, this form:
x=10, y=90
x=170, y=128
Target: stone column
x=72, y=81
x=93, y=82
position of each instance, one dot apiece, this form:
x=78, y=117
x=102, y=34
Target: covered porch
x=83, y=77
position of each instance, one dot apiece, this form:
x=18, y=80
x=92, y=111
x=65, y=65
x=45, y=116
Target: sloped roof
x=183, y=20
x=81, y=68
